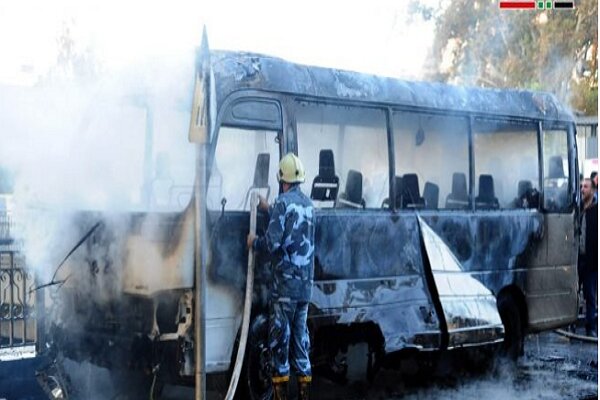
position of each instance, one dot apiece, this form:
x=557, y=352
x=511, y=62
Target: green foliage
x=553, y=50
x=585, y=98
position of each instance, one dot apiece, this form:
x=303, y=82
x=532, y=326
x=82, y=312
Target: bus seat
x=411, y=197
x=486, y=198
x=326, y=184
x=555, y=168
x=458, y=198
x=261, y=177
x=261, y=171
x=397, y=193
x=527, y=196
x=431, y=194
x=352, y=197
x=523, y=187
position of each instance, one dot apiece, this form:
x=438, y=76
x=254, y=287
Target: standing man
x=594, y=178
x=588, y=255
x=290, y=241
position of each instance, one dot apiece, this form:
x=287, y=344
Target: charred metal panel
x=141, y=253
x=493, y=246
x=228, y=252
x=368, y=268
x=236, y=71
x=470, y=310
x=119, y=283
x=400, y=307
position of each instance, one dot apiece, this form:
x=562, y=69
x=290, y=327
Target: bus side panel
x=227, y=269
x=369, y=268
x=493, y=245
x=507, y=248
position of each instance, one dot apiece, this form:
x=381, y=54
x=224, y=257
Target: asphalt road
x=553, y=367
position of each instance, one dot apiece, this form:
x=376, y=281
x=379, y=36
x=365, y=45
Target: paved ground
x=553, y=367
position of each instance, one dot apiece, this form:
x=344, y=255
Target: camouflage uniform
x=290, y=240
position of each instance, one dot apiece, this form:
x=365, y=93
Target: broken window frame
x=521, y=127
x=226, y=119
x=396, y=119
x=340, y=171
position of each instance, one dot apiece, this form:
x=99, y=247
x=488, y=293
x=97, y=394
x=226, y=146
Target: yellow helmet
x=291, y=169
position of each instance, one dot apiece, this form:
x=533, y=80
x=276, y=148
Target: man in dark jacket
x=290, y=241
x=588, y=255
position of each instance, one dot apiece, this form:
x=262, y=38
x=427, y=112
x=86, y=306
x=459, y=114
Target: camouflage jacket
x=290, y=239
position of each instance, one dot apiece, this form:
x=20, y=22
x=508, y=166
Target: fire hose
x=239, y=359
x=572, y=335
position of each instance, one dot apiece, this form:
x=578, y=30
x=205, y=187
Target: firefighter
x=289, y=240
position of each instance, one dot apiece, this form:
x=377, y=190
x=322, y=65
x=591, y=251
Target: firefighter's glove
x=263, y=205
x=250, y=240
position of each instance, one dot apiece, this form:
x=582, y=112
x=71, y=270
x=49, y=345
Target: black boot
x=304, y=387
x=280, y=388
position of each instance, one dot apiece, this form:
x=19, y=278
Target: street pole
x=199, y=133
x=200, y=273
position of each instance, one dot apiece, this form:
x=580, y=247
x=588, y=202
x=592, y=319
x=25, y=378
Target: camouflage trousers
x=288, y=338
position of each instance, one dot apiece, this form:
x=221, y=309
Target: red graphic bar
x=517, y=5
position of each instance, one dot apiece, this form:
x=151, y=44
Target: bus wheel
x=257, y=371
x=513, y=327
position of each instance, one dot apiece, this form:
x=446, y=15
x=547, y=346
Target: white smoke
x=117, y=144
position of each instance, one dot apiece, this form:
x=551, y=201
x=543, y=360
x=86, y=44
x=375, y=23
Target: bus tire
x=513, y=327
x=256, y=372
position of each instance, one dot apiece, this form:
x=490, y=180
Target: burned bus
x=446, y=218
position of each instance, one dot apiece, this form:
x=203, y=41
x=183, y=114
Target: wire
x=53, y=281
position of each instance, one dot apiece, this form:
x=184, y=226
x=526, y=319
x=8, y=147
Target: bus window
x=506, y=164
x=556, y=170
x=432, y=161
x=234, y=163
x=357, y=139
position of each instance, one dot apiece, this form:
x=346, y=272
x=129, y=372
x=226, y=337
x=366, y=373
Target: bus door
x=246, y=158
x=558, y=305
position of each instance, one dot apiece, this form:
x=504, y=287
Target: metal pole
x=200, y=273
x=148, y=150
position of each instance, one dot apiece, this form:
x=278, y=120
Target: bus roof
x=239, y=70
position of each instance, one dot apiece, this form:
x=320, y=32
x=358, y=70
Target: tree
x=478, y=44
